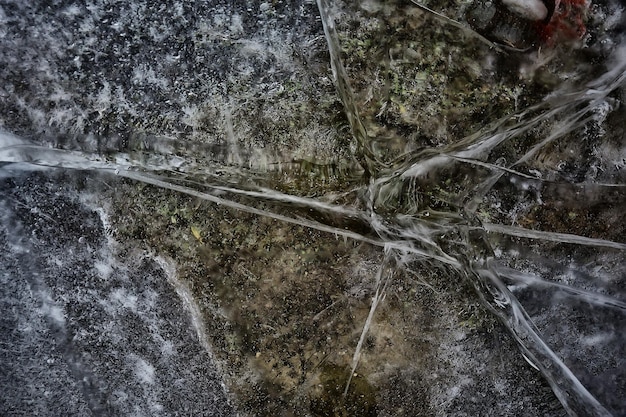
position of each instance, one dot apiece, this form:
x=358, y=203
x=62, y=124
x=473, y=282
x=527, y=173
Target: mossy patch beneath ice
x=285, y=306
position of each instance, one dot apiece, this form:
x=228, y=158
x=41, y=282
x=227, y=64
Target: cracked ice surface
x=348, y=208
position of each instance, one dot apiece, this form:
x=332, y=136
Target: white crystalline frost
x=121, y=297
x=55, y=313
x=528, y=9
x=104, y=269
x=144, y=372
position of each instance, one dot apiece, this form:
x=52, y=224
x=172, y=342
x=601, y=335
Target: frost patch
x=121, y=297
x=144, y=372
x=167, y=348
x=142, y=74
x=51, y=310
x=54, y=312
x=104, y=269
x=600, y=339
x=236, y=25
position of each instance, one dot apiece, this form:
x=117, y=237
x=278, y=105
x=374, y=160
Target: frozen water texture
x=521, y=202
x=93, y=334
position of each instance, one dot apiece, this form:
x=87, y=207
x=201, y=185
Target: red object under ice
x=566, y=22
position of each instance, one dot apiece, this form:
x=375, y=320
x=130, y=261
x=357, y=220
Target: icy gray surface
x=84, y=332
x=245, y=82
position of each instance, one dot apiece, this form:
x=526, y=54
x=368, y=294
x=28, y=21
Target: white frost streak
x=188, y=301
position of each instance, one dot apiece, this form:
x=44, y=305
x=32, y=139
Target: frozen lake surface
x=313, y=208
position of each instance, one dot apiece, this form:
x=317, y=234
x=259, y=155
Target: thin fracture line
x=552, y=236
x=298, y=221
x=589, y=296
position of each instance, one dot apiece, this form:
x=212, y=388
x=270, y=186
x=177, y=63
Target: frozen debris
x=528, y=9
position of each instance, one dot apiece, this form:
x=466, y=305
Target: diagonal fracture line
x=552, y=236
x=400, y=245
x=588, y=296
x=378, y=297
x=458, y=25
x=343, y=86
x=496, y=167
x=269, y=194
x=39, y=156
x=566, y=386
